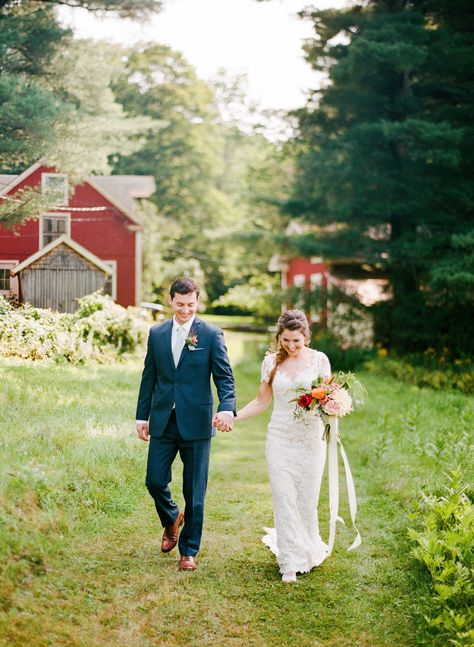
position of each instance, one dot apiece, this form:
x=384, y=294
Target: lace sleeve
x=324, y=365
x=267, y=366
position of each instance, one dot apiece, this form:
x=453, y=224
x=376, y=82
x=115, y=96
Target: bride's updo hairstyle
x=294, y=320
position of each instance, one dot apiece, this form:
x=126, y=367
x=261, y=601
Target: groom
x=174, y=413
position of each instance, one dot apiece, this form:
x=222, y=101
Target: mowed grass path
x=80, y=539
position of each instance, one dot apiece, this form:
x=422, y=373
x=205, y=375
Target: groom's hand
x=223, y=421
x=143, y=431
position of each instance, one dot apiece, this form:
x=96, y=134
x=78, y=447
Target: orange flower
x=318, y=393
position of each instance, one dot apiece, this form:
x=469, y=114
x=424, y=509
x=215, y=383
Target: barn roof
x=5, y=180
x=121, y=190
x=62, y=240
x=10, y=181
x=125, y=188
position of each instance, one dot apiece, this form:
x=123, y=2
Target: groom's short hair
x=184, y=285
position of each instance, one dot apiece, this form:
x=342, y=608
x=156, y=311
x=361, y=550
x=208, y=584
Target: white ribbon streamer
x=333, y=442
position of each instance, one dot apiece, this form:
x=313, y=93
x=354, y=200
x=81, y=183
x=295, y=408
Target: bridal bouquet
x=337, y=395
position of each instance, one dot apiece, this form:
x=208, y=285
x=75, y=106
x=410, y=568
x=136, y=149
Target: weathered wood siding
x=57, y=279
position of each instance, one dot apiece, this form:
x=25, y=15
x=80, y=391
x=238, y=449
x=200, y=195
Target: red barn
x=313, y=273
x=302, y=276
x=307, y=274
x=98, y=217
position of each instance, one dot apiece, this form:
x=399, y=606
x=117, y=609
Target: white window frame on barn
x=299, y=280
x=316, y=280
x=110, y=286
x=63, y=217
x=6, y=266
x=56, y=186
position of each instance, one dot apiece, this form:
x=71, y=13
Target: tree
x=33, y=102
x=184, y=156
x=55, y=98
x=124, y=8
x=450, y=96
x=29, y=40
x=385, y=153
x=97, y=126
x=260, y=296
x=70, y=120
x=87, y=130
x=214, y=174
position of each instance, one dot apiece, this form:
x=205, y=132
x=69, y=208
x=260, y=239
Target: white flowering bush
x=100, y=321
x=97, y=330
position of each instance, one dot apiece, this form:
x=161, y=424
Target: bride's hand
x=223, y=422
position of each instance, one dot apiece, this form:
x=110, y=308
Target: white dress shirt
x=186, y=327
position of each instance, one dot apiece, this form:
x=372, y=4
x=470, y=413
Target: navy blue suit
x=187, y=427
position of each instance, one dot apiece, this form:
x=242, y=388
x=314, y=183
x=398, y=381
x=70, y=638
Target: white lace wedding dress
x=296, y=454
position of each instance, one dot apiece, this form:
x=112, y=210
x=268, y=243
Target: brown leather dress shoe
x=171, y=534
x=187, y=563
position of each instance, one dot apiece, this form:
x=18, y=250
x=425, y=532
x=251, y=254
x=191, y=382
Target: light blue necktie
x=178, y=344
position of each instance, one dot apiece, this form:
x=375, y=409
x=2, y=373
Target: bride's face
x=292, y=341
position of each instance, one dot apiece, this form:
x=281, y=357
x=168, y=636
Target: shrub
x=342, y=359
x=99, y=329
x=436, y=374
x=260, y=296
x=101, y=321
x=445, y=546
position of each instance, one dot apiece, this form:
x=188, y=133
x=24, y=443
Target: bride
x=295, y=452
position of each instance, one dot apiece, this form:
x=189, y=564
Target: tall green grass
x=80, y=540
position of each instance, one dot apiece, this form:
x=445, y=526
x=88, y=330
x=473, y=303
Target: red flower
x=304, y=400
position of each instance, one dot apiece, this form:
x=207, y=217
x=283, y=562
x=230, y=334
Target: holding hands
x=223, y=421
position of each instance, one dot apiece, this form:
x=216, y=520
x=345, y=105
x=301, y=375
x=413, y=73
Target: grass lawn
x=80, y=541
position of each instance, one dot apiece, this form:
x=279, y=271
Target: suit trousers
x=194, y=455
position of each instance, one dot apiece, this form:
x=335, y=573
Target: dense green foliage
x=217, y=186
x=445, y=546
x=342, y=358
x=426, y=370
x=183, y=157
x=260, y=296
x=30, y=37
x=124, y=8
x=386, y=157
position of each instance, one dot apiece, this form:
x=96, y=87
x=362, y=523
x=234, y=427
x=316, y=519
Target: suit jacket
x=188, y=386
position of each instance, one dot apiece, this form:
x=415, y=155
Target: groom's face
x=184, y=306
